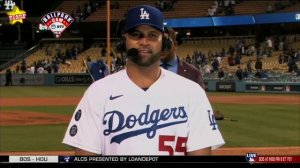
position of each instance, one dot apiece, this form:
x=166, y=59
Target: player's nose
x=144, y=41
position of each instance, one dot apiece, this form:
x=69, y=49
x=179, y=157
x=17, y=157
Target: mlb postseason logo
x=66, y=159
x=57, y=22
x=250, y=157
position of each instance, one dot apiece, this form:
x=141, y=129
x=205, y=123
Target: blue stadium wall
x=211, y=85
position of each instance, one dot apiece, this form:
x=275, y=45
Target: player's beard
x=145, y=62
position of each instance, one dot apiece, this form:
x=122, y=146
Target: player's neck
x=143, y=77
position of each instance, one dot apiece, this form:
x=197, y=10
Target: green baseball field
x=33, y=120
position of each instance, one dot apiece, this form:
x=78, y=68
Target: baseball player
x=143, y=109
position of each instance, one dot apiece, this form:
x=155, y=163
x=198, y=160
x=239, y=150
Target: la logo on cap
x=144, y=14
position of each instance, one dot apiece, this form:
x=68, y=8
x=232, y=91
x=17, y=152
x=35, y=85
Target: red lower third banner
x=276, y=159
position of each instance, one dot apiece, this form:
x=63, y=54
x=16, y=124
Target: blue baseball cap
x=144, y=15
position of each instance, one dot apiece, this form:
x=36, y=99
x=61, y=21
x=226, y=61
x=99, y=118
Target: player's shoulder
x=183, y=84
x=108, y=81
x=178, y=79
x=111, y=78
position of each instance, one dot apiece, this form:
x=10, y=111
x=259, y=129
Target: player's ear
x=175, y=43
x=121, y=44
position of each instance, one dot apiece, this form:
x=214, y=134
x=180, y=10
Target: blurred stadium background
x=225, y=35
x=220, y=41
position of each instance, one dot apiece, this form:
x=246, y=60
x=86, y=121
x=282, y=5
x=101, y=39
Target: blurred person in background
x=8, y=77
x=171, y=61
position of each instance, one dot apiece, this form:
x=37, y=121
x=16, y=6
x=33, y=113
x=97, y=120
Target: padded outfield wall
x=211, y=85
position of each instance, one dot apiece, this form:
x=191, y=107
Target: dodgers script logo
x=144, y=14
x=151, y=121
x=57, y=22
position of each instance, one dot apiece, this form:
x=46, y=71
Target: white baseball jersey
x=116, y=117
